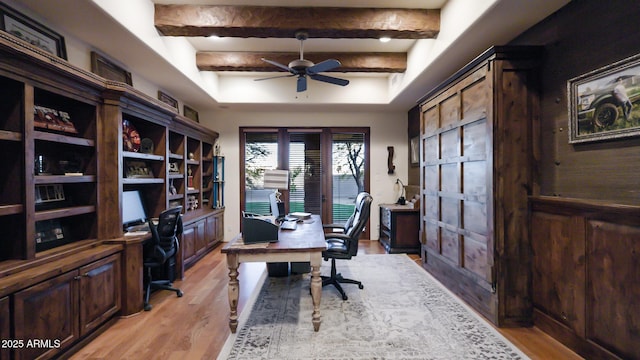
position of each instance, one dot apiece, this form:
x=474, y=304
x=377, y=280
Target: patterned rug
x=402, y=313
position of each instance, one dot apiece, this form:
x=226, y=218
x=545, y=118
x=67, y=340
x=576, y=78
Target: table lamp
x=401, y=199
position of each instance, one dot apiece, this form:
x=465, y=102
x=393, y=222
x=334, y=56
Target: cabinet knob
x=81, y=276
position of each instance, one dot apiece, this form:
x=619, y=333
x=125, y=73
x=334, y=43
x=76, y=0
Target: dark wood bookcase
x=63, y=248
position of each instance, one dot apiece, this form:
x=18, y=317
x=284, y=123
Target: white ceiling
x=123, y=30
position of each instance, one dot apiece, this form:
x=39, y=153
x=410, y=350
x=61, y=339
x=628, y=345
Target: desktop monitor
x=133, y=210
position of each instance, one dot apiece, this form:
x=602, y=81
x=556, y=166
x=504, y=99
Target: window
x=328, y=167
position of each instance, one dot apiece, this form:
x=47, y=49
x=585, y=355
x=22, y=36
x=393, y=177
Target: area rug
x=402, y=313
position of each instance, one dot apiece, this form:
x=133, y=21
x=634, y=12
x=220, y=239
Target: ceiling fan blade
x=302, y=83
x=283, y=67
x=274, y=77
x=330, y=79
x=326, y=65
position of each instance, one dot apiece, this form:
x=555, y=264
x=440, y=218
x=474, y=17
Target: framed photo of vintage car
x=31, y=31
x=167, y=99
x=108, y=69
x=190, y=113
x=605, y=103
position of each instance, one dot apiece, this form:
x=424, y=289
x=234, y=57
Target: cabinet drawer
x=386, y=218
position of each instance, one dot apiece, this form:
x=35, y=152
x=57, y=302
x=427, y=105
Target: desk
x=132, y=283
x=306, y=243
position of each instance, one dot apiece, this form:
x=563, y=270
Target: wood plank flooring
x=196, y=325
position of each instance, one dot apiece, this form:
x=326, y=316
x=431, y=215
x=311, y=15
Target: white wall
x=387, y=129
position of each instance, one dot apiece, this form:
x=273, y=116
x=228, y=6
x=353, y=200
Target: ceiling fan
x=303, y=68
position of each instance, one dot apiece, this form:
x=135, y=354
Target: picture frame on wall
x=190, y=113
x=165, y=98
x=36, y=34
x=104, y=67
x=604, y=104
x=414, y=151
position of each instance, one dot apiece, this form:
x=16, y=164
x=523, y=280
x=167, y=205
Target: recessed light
x=385, y=39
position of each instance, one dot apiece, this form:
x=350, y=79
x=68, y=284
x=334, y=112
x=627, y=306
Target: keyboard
x=136, y=228
x=288, y=225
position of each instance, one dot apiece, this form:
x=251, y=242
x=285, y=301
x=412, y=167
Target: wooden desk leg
x=316, y=289
x=234, y=290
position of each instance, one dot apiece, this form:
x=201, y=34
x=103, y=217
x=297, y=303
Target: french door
x=328, y=167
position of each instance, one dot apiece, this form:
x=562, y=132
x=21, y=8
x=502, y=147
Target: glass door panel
x=348, y=170
x=305, y=185
x=260, y=154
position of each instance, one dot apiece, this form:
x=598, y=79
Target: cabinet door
x=99, y=292
x=559, y=268
x=47, y=311
x=188, y=243
x=219, y=219
x=201, y=239
x=5, y=326
x=210, y=231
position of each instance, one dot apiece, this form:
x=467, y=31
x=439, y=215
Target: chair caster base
x=179, y=293
x=147, y=307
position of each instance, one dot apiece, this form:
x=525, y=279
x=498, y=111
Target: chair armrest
x=334, y=227
x=250, y=214
x=338, y=225
x=337, y=236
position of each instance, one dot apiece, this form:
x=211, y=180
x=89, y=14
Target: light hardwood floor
x=196, y=325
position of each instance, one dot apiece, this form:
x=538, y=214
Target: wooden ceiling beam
x=251, y=61
x=283, y=22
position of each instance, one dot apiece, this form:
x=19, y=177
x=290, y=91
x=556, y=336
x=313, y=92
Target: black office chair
x=157, y=251
x=344, y=244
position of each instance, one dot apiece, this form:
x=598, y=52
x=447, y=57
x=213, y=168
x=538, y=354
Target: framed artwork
x=190, y=113
x=414, y=151
x=49, y=234
x=32, y=32
x=52, y=119
x=138, y=169
x=165, y=98
x=604, y=103
x=108, y=70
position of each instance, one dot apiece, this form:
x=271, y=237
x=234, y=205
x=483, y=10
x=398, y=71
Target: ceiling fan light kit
x=303, y=68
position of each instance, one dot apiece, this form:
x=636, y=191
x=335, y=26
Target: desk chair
x=162, y=247
x=344, y=245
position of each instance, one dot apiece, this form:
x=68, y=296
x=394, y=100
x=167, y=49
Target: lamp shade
x=276, y=179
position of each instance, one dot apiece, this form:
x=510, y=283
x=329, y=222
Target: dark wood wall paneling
x=585, y=271
x=581, y=37
x=586, y=230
